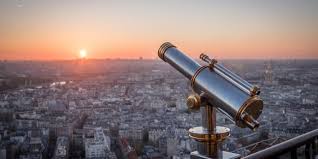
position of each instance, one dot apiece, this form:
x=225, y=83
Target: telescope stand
x=209, y=137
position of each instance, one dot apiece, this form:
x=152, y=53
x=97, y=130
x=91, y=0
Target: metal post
x=210, y=118
x=307, y=151
x=293, y=153
x=209, y=136
x=314, y=147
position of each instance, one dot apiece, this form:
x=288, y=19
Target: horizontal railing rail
x=309, y=140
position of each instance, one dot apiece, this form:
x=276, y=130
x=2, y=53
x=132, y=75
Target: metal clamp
x=211, y=63
x=255, y=91
x=196, y=74
x=206, y=59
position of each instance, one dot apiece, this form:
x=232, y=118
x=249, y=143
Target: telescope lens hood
x=163, y=48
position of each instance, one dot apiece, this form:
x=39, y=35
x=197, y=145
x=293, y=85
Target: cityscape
x=168, y=79
x=129, y=109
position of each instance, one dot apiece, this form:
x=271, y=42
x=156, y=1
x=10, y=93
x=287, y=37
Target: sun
x=82, y=53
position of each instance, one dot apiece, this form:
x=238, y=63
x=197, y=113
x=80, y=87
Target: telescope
x=216, y=88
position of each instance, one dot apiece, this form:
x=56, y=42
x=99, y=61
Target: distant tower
x=2, y=67
x=268, y=74
x=27, y=82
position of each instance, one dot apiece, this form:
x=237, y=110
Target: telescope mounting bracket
x=209, y=136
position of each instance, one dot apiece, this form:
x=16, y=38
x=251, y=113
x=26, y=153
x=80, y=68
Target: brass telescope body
x=216, y=87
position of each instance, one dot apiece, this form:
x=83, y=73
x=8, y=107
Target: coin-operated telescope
x=218, y=88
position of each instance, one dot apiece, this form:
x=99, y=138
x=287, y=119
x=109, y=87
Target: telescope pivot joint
x=194, y=102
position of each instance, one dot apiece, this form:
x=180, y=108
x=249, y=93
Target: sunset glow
x=82, y=53
x=45, y=30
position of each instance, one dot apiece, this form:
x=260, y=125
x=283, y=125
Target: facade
x=62, y=148
x=97, y=146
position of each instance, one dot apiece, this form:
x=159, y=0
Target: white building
x=135, y=133
x=98, y=146
x=62, y=148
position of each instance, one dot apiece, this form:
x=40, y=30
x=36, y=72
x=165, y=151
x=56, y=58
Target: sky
x=226, y=29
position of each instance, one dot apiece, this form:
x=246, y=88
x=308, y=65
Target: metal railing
x=290, y=147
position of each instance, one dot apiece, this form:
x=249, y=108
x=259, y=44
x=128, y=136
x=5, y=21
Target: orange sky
x=49, y=30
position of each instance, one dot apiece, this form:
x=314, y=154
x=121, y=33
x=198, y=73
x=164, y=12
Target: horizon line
x=146, y=59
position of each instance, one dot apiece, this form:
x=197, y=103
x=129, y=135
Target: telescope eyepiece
x=250, y=122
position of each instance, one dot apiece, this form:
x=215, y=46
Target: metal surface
x=228, y=97
x=210, y=118
x=252, y=106
x=224, y=154
x=209, y=137
x=178, y=60
x=288, y=146
x=193, y=102
x=235, y=79
x=225, y=89
x=201, y=134
x=163, y=49
x=196, y=74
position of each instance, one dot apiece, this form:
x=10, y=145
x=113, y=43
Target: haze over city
x=59, y=30
x=146, y=79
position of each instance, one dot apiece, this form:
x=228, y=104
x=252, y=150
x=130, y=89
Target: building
x=98, y=145
x=62, y=148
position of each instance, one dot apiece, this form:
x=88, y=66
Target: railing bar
x=314, y=147
x=307, y=151
x=293, y=153
x=285, y=146
x=252, y=145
